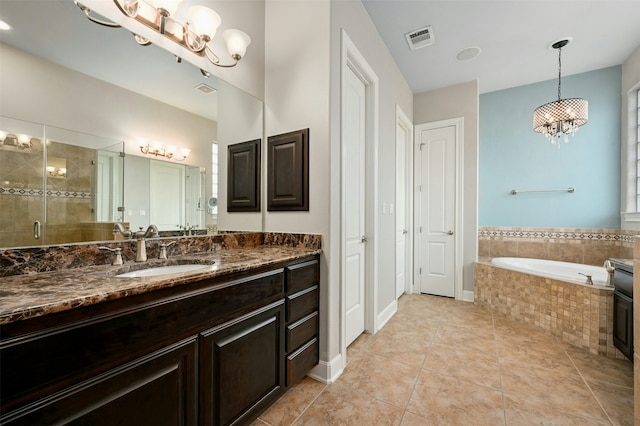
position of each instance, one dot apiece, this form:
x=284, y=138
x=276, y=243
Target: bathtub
x=552, y=297
x=563, y=271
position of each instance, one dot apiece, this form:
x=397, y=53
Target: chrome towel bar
x=516, y=191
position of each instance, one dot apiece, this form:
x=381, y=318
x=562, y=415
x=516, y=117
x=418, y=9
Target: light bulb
x=203, y=21
x=3, y=135
x=237, y=42
x=24, y=139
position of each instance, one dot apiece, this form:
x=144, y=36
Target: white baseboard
x=467, y=296
x=386, y=314
x=328, y=372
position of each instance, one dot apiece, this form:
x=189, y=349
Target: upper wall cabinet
x=288, y=172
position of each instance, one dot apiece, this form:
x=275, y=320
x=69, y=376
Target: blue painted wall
x=513, y=156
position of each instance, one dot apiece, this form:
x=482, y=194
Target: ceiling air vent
x=420, y=38
x=207, y=90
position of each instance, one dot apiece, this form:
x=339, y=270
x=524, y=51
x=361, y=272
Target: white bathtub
x=563, y=271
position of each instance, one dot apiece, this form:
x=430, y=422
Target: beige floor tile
x=560, y=391
x=408, y=345
x=454, y=336
x=522, y=412
x=410, y=419
x=342, y=405
x=617, y=401
x=444, y=399
x=381, y=378
x=293, y=403
x=539, y=355
x=464, y=363
x=601, y=368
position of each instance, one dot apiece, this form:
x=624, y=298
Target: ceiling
x=514, y=36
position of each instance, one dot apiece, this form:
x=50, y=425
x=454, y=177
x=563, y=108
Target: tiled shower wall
x=69, y=200
x=587, y=246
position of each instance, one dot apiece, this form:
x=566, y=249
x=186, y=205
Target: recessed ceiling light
x=207, y=90
x=468, y=53
x=4, y=26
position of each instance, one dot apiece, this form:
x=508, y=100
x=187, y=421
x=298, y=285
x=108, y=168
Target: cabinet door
x=158, y=389
x=242, y=367
x=623, y=324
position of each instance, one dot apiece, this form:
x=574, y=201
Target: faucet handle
x=163, y=249
x=117, y=254
x=589, y=280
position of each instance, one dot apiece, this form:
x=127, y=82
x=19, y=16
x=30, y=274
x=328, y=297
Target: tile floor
x=444, y=362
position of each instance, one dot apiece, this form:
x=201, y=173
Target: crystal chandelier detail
x=564, y=116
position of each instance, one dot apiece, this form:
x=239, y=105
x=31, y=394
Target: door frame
x=402, y=120
x=351, y=58
x=458, y=124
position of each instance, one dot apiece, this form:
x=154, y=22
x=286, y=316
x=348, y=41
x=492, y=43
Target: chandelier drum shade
x=196, y=34
x=564, y=116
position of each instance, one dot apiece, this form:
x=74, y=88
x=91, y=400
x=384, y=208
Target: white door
x=166, y=188
x=403, y=139
x=435, y=180
x=354, y=198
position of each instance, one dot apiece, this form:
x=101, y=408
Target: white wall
x=297, y=97
x=630, y=79
x=239, y=120
x=460, y=100
x=60, y=97
x=393, y=90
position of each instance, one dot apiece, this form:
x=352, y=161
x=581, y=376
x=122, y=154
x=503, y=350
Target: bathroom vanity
x=210, y=347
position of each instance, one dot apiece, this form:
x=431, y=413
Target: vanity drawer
x=302, y=331
x=302, y=303
x=302, y=276
x=301, y=361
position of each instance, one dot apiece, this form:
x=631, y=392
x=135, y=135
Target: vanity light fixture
x=195, y=35
x=168, y=152
x=564, y=116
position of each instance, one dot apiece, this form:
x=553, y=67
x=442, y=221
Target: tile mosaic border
x=614, y=235
x=26, y=192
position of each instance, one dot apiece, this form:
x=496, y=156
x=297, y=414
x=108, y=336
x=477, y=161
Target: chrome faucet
x=141, y=247
x=608, y=265
x=118, y=228
x=117, y=254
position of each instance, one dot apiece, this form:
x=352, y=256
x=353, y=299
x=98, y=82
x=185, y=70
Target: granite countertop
x=29, y=296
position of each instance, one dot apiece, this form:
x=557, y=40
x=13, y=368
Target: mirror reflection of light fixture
x=169, y=152
x=57, y=172
x=18, y=140
x=196, y=34
x=564, y=116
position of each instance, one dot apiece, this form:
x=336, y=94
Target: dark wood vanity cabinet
x=213, y=352
x=303, y=280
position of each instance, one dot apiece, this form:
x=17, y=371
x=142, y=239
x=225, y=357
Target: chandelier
x=196, y=34
x=564, y=116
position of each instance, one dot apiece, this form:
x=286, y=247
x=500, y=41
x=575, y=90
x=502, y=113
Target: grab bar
x=570, y=190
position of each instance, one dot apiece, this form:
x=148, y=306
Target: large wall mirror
x=84, y=94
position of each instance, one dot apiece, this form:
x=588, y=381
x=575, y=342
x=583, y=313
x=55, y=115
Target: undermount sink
x=163, y=270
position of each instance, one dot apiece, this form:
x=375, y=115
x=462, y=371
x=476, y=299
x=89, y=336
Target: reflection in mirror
x=50, y=187
x=54, y=77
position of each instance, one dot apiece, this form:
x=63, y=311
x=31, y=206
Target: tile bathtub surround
x=32, y=260
x=576, y=314
x=461, y=364
x=587, y=246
